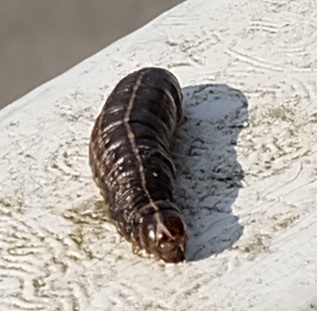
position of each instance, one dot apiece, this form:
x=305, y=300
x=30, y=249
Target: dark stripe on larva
x=130, y=161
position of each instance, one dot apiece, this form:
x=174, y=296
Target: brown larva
x=129, y=155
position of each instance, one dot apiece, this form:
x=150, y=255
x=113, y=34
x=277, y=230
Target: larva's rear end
x=131, y=164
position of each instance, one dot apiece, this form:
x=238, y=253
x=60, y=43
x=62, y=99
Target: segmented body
x=129, y=153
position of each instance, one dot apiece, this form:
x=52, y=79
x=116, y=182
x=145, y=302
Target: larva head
x=163, y=234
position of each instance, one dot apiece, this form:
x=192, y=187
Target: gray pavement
x=40, y=38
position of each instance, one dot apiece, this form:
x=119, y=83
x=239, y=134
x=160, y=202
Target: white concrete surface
x=252, y=240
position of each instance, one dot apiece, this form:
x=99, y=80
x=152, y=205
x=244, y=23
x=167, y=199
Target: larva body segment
x=129, y=156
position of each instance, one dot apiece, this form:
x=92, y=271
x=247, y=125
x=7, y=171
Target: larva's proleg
x=129, y=156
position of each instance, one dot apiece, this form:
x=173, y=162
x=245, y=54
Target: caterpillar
x=129, y=156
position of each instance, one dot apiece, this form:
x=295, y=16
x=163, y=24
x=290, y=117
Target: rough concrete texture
x=246, y=170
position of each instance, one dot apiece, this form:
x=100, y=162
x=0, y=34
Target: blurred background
x=40, y=39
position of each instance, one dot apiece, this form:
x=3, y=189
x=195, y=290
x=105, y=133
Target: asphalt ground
x=40, y=39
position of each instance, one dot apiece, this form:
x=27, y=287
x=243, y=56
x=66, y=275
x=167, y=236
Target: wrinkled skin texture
x=129, y=155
